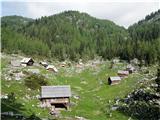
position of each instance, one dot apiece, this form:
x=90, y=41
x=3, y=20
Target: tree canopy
x=74, y=35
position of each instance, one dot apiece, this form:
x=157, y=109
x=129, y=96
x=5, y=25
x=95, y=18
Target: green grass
x=90, y=85
x=89, y=106
x=4, y=63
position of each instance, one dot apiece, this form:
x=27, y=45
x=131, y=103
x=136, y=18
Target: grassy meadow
x=96, y=97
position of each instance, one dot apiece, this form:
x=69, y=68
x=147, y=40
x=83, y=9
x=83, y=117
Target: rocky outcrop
x=142, y=104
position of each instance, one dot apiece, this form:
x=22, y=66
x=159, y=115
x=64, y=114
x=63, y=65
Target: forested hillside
x=13, y=41
x=146, y=38
x=74, y=35
x=101, y=86
x=77, y=35
x=14, y=22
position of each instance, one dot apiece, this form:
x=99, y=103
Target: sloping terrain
x=92, y=97
x=71, y=36
x=74, y=35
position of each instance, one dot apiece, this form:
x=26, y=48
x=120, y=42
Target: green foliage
x=141, y=106
x=33, y=117
x=74, y=35
x=69, y=34
x=146, y=38
x=35, y=81
x=93, y=94
x=13, y=42
x=10, y=104
x=144, y=111
x=14, y=22
x=158, y=80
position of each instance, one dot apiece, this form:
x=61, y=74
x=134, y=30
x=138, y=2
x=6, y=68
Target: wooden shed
x=63, y=64
x=55, y=96
x=27, y=62
x=52, y=68
x=116, y=60
x=130, y=69
x=123, y=73
x=114, y=80
x=44, y=64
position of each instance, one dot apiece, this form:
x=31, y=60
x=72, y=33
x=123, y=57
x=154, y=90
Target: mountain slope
x=14, y=22
x=13, y=41
x=146, y=38
x=147, y=29
x=74, y=35
x=77, y=35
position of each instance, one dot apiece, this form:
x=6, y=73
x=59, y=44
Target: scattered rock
x=37, y=96
x=15, y=63
x=80, y=118
x=73, y=104
x=55, y=113
x=34, y=71
x=7, y=78
x=19, y=76
x=83, y=82
x=114, y=107
x=76, y=97
x=29, y=89
x=78, y=88
x=4, y=96
x=116, y=60
x=33, y=105
x=135, y=61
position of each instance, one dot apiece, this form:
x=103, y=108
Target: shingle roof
x=44, y=63
x=26, y=60
x=123, y=72
x=115, y=78
x=130, y=67
x=52, y=67
x=55, y=91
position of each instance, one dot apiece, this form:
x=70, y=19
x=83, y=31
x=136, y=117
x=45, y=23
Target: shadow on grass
x=12, y=110
x=10, y=104
x=33, y=117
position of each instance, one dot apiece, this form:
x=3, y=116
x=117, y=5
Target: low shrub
x=35, y=81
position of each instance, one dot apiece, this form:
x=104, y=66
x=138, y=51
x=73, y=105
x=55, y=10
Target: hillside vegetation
x=66, y=38
x=74, y=35
x=92, y=97
x=14, y=22
x=146, y=38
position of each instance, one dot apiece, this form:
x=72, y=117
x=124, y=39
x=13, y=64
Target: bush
x=33, y=117
x=35, y=81
x=142, y=110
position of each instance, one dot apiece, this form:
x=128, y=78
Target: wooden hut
x=44, y=64
x=114, y=80
x=115, y=60
x=27, y=62
x=63, y=64
x=55, y=96
x=135, y=61
x=130, y=69
x=52, y=68
x=122, y=73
